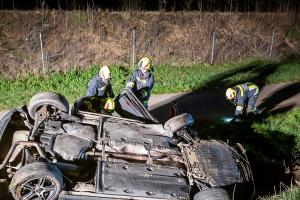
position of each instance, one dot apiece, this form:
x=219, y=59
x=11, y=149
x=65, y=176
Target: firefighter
x=244, y=97
x=100, y=85
x=141, y=81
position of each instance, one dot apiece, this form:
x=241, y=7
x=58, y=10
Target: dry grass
x=76, y=39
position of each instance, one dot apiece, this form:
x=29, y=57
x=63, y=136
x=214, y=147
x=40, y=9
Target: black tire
x=178, y=122
x=37, y=180
x=212, y=194
x=47, y=98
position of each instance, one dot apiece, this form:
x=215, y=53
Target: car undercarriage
x=53, y=152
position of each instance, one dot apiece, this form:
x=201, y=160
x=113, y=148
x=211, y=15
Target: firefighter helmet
x=109, y=105
x=230, y=93
x=145, y=64
x=104, y=73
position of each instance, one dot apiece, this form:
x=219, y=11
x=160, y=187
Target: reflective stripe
x=241, y=89
x=102, y=88
x=143, y=81
x=130, y=84
x=253, y=87
x=239, y=108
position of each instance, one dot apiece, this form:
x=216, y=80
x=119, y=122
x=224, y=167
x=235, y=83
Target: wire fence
x=52, y=46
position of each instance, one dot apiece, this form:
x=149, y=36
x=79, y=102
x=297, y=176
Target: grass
x=170, y=79
x=286, y=125
x=293, y=193
x=73, y=83
x=286, y=72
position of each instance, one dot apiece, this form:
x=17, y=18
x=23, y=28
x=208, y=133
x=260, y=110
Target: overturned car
x=49, y=151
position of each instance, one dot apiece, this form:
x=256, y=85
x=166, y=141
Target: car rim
x=42, y=189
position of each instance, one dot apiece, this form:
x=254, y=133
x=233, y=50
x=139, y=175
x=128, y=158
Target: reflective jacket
x=243, y=93
x=141, y=85
x=98, y=88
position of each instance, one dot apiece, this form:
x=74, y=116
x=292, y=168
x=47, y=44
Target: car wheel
x=212, y=194
x=47, y=98
x=178, y=122
x=37, y=181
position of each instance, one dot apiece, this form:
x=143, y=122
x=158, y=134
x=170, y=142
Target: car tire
x=47, y=98
x=212, y=194
x=38, y=179
x=178, y=122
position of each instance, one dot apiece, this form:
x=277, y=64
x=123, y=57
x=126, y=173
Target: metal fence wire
x=61, y=40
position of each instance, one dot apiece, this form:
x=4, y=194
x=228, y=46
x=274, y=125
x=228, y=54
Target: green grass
x=292, y=193
x=170, y=79
x=282, y=132
x=286, y=72
x=73, y=83
x=286, y=123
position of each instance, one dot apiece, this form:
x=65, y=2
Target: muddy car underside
x=98, y=156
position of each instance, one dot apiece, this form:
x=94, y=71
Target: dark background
x=152, y=5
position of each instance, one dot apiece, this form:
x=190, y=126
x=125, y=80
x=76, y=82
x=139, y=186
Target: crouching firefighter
x=244, y=97
x=141, y=81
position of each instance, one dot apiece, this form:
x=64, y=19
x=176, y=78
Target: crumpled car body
x=49, y=152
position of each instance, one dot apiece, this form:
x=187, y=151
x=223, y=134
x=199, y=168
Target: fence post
x=41, y=42
x=133, y=48
x=272, y=42
x=213, y=48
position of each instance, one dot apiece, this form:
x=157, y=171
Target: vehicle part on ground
x=37, y=180
x=53, y=100
x=212, y=194
x=178, y=122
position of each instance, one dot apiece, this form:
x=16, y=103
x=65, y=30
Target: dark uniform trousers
x=246, y=98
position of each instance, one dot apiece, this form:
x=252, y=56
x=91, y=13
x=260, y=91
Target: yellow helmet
x=108, y=105
x=230, y=93
x=145, y=63
x=104, y=73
